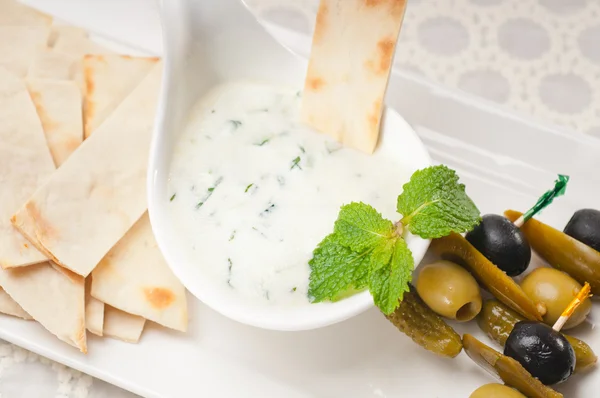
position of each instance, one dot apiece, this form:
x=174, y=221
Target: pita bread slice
x=10, y=306
x=48, y=64
x=58, y=104
x=25, y=163
x=92, y=200
x=135, y=278
x=350, y=62
x=121, y=325
x=19, y=45
x=94, y=311
x=51, y=298
x=17, y=14
x=109, y=79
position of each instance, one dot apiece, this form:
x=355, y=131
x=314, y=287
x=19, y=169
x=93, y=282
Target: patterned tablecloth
x=540, y=57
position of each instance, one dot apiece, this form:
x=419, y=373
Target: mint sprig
x=367, y=251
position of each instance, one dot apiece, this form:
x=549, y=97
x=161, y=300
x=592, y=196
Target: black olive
x=544, y=352
x=501, y=242
x=585, y=227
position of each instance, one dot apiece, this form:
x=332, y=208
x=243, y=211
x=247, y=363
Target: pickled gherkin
x=425, y=327
x=497, y=321
x=507, y=369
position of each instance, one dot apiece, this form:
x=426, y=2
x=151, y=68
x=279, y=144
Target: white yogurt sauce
x=252, y=192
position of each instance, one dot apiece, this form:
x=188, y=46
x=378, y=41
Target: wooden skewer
x=560, y=186
x=583, y=294
x=519, y=222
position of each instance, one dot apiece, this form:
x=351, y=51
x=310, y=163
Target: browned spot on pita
x=396, y=6
x=89, y=107
x=374, y=116
x=383, y=58
x=80, y=336
x=48, y=123
x=97, y=57
x=105, y=266
x=44, y=229
x=321, y=23
x=159, y=297
x=71, y=144
x=26, y=245
x=315, y=83
x=73, y=277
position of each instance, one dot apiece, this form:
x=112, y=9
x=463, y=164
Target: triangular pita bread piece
x=25, y=163
x=65, y=30
x=58, y=104
x=94, y=198
x=94, y=311
x=135, y=278
x=48, y=64
x=10, y=306
x=16, y=14
x=19, y=45
x=51, y=298
x=109, y=79
x=350, y=61
x=121, y=325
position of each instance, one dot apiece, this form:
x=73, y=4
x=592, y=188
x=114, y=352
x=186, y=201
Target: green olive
x=449, y=290
x=495, y=390
x=554, y=290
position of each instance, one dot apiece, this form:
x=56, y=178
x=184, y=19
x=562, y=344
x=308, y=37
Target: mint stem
x=560, y=186
x=399, y=228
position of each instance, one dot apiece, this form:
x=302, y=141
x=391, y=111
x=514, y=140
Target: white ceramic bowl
x=226, y=43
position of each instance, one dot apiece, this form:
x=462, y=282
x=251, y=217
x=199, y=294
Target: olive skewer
x=562, y=252
x=510, y=371
x=502, y=241
x=542, y=350
x=583, y=294
x=497, y=321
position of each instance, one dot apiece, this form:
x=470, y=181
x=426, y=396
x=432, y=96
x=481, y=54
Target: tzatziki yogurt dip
x=252, y=191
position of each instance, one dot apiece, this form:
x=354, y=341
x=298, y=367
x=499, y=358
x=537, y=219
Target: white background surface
x=539, y=57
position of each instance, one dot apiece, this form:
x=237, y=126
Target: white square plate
x=505, y=160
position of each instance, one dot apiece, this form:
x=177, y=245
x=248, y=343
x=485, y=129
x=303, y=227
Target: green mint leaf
x=381, y=255
x=433, y=204
x=360, y=227
x=335, y=270
x=388, y=283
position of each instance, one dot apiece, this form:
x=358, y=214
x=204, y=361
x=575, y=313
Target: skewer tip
x=583, y=294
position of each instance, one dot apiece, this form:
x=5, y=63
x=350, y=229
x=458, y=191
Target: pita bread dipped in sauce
x=252, y=191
